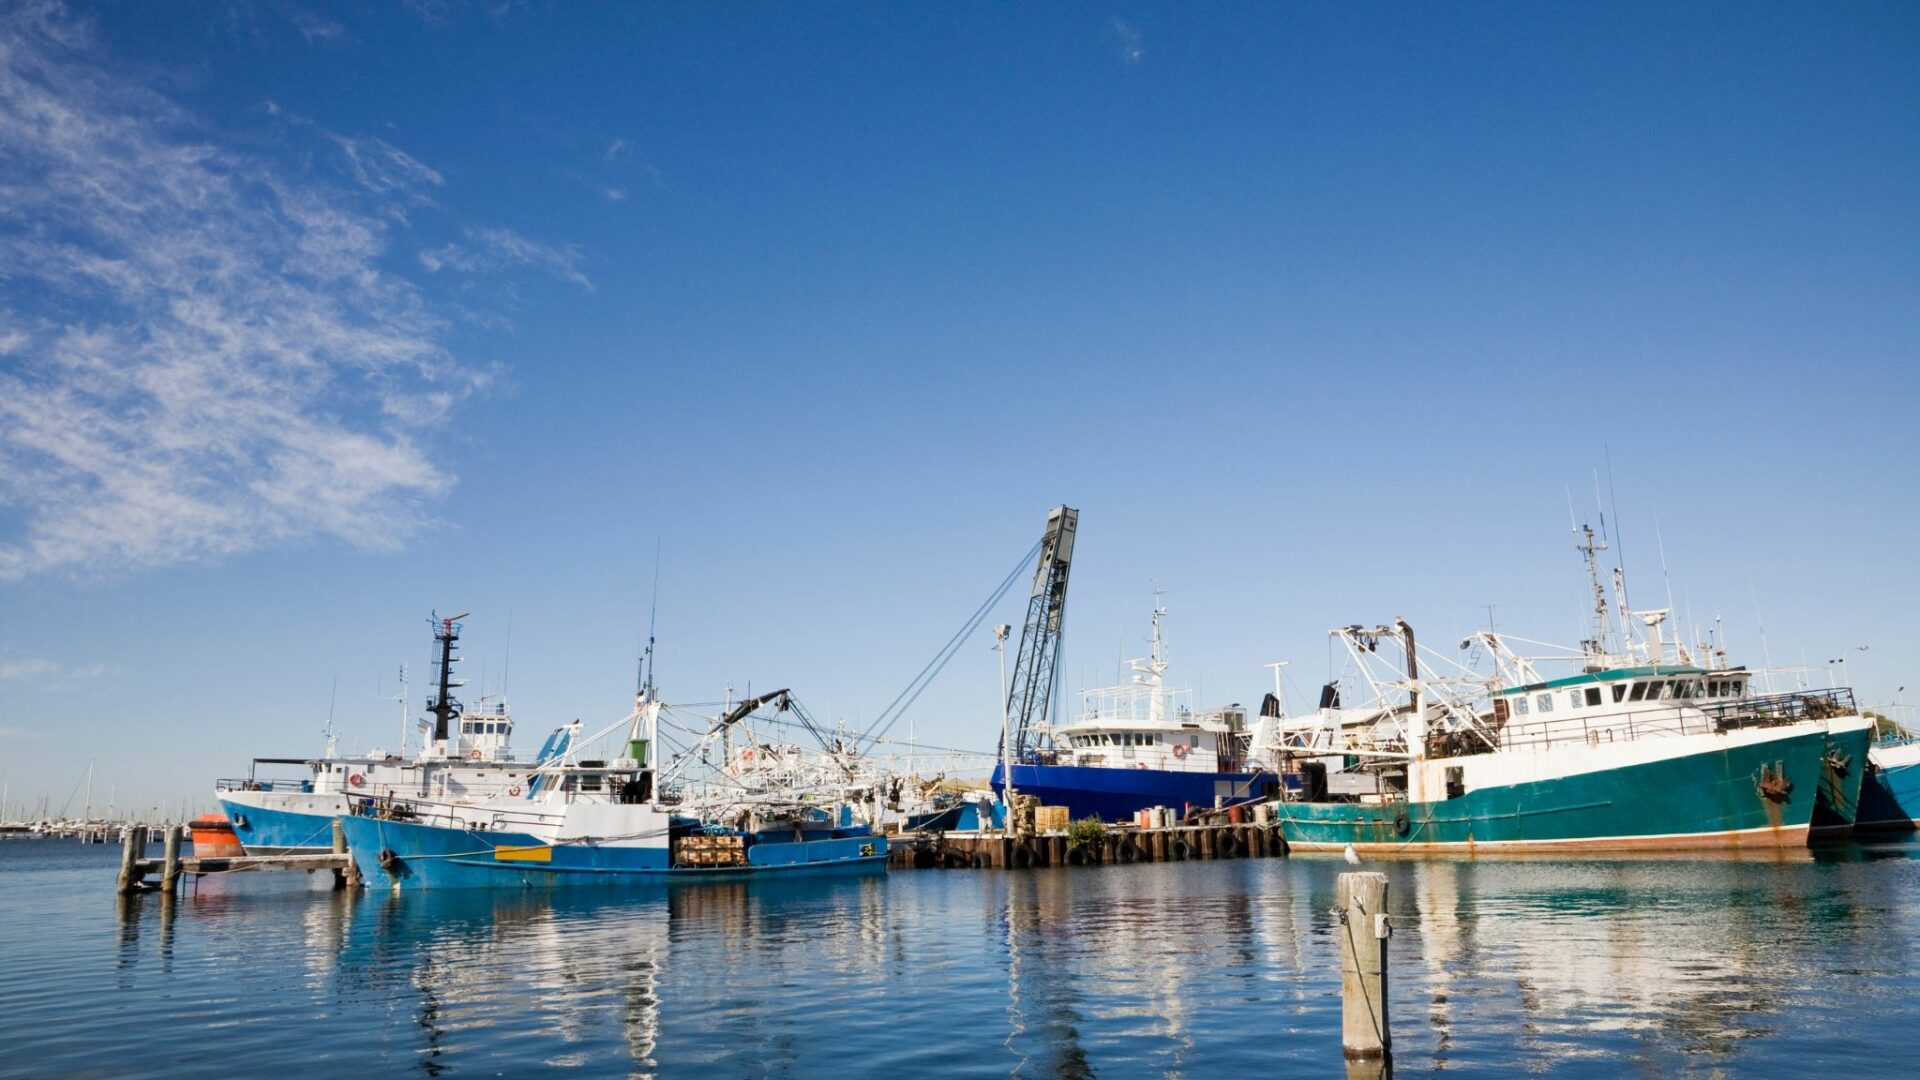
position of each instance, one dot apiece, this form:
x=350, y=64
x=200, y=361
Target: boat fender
x=1023, y=856
x=356, y=780
x=1227, y=844
x=1127, y=852
x=1077, y=856
x=1182, y=850
x=1401, y=824
x=1179, y=751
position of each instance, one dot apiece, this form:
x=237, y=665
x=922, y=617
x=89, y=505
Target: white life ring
x=356, y=780
x=1179, y=751
x=473, y=755
x=513, y=790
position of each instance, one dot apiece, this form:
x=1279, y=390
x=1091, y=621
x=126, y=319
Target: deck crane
x=1030, y=693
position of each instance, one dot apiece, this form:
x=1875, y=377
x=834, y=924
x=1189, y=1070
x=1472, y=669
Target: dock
x=1117, y=845
x=170, y=868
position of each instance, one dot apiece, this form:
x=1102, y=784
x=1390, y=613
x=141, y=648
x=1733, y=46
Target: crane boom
x=1030, y=693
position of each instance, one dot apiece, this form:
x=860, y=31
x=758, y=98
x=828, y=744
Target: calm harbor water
x=1753, y=967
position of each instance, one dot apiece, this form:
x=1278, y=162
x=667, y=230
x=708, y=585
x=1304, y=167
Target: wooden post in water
x=170, y=861
x=341, y=878
x=130, y=856
x=1363, y=965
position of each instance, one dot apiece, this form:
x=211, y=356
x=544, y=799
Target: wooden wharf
x=1117, y=845
x=171, y=867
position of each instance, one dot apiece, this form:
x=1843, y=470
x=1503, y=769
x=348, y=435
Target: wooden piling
x=341, y=876
x=1364, y=1031
x=129, y=862
x=170, y=865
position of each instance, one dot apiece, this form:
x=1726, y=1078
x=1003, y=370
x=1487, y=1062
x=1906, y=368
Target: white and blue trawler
x=1138, y=745
x=621, y=820
x=467, y=756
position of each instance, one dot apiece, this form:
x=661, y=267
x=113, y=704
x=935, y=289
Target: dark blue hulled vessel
x=1140, y=745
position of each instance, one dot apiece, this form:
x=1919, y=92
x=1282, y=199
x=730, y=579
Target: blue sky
x=314, y=319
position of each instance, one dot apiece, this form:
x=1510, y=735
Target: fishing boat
x=467, y=754
x=1137, y=745
x=1890, y=790
x=1641, y=747
x=617, y=820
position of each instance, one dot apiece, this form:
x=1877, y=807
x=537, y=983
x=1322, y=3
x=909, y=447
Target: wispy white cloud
x=203, y=356
x=49, y=672
x=26, y=669
x=498, y=249
x=381, y=167
x=614, y=149
x=315, y=27
x=1128, y=37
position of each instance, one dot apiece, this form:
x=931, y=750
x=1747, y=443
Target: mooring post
x=340, y=879
x=1363, y=965
x=170, y=865
x=129, y=857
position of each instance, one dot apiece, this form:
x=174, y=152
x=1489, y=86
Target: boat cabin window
x=1619, y=692
x=1737, y=684
x=1193, y=740
x=1639, y=691
x=1520, y=705
x=1544, y=703
x=1593, y=695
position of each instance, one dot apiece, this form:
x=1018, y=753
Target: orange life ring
x=513, y=790
x=1179, y=751
x=473, y=755
x=356, y=779
x=747, y=754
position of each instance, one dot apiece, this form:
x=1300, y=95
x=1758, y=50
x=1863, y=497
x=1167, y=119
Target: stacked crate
x=710, y=851
x=1048, y=819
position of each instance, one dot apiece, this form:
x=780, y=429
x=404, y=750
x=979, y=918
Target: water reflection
x=1575, y=967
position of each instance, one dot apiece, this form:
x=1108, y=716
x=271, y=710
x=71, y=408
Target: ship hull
x=1843, y=770
x=408, y=856
x=1890, y=790
x=1117, y=794
x=276, y=823
x=1754, y=788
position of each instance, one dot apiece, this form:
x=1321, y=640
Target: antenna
x=1766, y=654
x=653, y=616
x=506, y=662
x=332, y=696
x=1661, y=544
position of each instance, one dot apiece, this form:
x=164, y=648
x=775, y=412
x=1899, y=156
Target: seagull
x=1353, y=857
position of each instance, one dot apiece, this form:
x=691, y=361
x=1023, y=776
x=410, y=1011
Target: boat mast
x=1595, y=647
x=443, y=707
x=1417, y=733
x=405, y=693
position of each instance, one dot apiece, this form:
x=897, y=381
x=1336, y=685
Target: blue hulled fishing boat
x=467, y=754
x=618, y=820
x=1138, y=745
